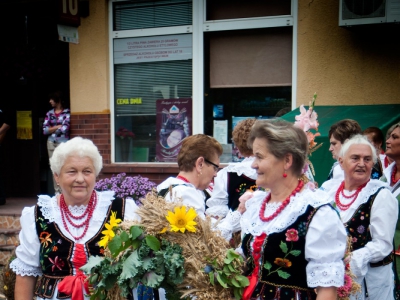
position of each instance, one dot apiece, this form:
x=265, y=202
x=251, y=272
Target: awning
x=381, y=116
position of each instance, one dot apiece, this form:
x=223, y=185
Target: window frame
x=197, y=29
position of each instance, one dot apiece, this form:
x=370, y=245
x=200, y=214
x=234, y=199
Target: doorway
x=33, y=65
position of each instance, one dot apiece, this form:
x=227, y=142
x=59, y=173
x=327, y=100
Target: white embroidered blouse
x=325, y=239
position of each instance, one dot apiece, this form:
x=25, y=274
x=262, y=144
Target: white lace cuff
x=21, y=268
x=325, y=274
x=217, y=211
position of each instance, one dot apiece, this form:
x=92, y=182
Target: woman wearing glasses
x=198, y=162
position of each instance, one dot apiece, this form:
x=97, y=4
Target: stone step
x=9, y=230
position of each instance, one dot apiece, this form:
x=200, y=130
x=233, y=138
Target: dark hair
x=376, y=133
x=195, y=146
x=58, y=97
x=344, y=130
x=240, y=135
x=282, y=138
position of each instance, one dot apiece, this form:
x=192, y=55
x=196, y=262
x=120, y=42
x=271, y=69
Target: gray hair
x=358, y=139
x=282, y=138
x=76, y=147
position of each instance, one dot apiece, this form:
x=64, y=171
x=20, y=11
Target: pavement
x=14, y=206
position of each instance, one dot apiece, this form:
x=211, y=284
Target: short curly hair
x=78, y=147
x=344, y=129
x=240, y=134
x=195, y=146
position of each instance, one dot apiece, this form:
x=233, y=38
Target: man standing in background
x=4, y=126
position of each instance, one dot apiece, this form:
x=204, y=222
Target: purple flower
x=135, y=187
x=360, y=229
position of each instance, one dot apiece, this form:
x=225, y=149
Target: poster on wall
x=173, y=124
x=24, y=125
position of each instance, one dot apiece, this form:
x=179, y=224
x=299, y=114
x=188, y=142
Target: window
x=241, y=65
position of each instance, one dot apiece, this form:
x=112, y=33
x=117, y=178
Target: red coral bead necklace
x=393, y=177
x=67, y=216
x=281, y=207
x=352, y=197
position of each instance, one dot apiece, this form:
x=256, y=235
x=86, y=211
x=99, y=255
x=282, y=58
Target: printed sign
x=173, y=124
x=153, y=48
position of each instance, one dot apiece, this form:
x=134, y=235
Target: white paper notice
x=221, y=131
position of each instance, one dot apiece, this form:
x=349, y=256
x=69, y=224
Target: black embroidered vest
x=237, y=186
x=283, y=265
x=56, y=250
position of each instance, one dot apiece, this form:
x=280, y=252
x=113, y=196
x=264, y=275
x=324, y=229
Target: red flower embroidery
x=292, y=235
x=57, y=263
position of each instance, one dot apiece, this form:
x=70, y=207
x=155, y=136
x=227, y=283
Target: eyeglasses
x=216, y=167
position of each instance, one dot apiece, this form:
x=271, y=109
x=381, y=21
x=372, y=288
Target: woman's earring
x=284, y=174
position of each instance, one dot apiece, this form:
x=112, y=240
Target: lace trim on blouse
x=371, y=188
x=51, y=210
x=243, y=167
x=21, y=268
x=325, y=274
x=251, y=222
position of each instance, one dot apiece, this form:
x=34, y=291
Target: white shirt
x=325, y=241
x=218, y=202
x=384, y=213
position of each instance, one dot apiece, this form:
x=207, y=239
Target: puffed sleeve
x=325, y=248
x=27, y=261
x=218, y=202
x=190, y=197
x=384, y=213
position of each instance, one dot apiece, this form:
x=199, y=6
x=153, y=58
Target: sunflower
x=109, y=232
x=182, y=220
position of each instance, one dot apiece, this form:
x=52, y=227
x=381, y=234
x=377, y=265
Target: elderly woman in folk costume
x=59, y=233
x=291, y=250
x=391, y=175
x=369, y=212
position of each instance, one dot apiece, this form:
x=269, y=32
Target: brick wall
x=97, y=128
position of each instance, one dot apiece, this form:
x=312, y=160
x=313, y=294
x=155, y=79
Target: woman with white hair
x=369, y=212
x=60, y=232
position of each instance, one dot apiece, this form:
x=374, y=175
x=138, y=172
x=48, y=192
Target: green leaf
x=115, y=245
x=267, y=265
x=212, y=277
x=153, y=280
x=135, y=232
x=284, y=247
x=109, y=281
x=93, y=278
x=130, y=266
x=222, y=280
x=153, y=242
x=237, y=293
x=235, y=282
x=231, y=268
x=94, y=261
x=124, y=236
x=295, y=252
x=283, y=274
x=243, y=280
x=136, y=244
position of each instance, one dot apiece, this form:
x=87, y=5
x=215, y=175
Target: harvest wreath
x=171, y=248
